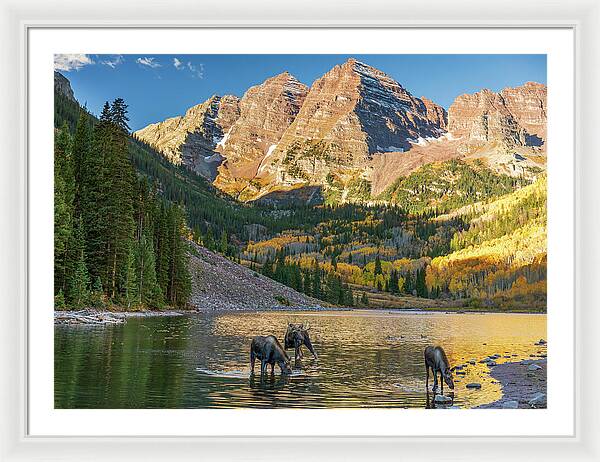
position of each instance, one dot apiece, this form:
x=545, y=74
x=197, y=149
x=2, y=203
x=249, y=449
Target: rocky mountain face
x=266, y=111
x=192, y=139
x=352, y=133
x=527, y=104
x=436, y=113
x=513, y=117
x=505, y=130
x=63, y=86
x=350, y=114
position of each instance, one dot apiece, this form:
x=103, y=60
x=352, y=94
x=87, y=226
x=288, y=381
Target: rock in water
x=474, y=385
x=538, y=400
x=533, y=367
x=442, y=399
x=510, y=405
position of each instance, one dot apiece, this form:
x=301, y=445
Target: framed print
x=356, y=236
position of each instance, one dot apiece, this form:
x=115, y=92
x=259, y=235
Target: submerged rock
x=533, y=367
x=442, y=399
x=474, y=385
x=510, y=404
x=538, y=400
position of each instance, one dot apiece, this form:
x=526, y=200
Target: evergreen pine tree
x=119, y=180
x=79, y=281
x=63, y=224
x=148, y=290
x=378, y=269
x=393, y=284
x=224, y=242
x=132, y=293
x=81, y=151
x=364, y=299
x=316, y=280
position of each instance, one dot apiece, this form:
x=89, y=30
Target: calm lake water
x=366, y=359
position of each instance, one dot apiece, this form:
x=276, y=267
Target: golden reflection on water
x=366, y=359
x=379, y=354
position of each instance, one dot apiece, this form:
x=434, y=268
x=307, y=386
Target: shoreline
x=523, y=385
x=103, y=317
x=93, y=316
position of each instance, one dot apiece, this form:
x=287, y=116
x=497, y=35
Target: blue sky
x=160, y=86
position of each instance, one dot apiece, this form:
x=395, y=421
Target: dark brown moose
x=435, y=358
x=269, y=351
x=296, y=336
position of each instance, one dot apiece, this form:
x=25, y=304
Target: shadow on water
x=366, y=359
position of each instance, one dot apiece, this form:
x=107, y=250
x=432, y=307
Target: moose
x=269, y=351
x=436, y=359
x=296, y=336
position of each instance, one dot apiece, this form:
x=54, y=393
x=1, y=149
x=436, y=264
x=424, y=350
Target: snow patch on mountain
x=222, y=141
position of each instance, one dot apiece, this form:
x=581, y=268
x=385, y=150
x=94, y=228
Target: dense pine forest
x=116, y=240
x=449, y=231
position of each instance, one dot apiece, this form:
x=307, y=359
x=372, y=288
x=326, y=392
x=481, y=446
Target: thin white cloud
x=197, y=71
x=149, y=62
x=178, y=64
x=70, y=62
x=114, y=61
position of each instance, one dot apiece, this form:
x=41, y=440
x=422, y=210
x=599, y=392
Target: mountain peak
x=512, y=117
x=63, y=86
x=284, y=76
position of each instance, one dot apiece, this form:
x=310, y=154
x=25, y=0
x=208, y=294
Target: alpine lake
x=366, y=358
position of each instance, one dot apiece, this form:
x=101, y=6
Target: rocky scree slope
x=220, y=284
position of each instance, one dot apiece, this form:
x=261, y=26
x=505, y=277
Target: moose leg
x=252, y=360
x=427, y=379
x=298, y=350
x=434, y=379
x=442, y=382
x=310, y=347
x=263, y=367
x=272, y=368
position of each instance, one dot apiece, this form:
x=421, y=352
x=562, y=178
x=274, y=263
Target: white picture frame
x=18, y=18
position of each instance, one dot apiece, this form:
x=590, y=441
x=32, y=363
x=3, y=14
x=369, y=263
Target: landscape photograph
x=300, y=231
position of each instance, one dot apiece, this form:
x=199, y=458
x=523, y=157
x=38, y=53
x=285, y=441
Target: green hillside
x=445, y=186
